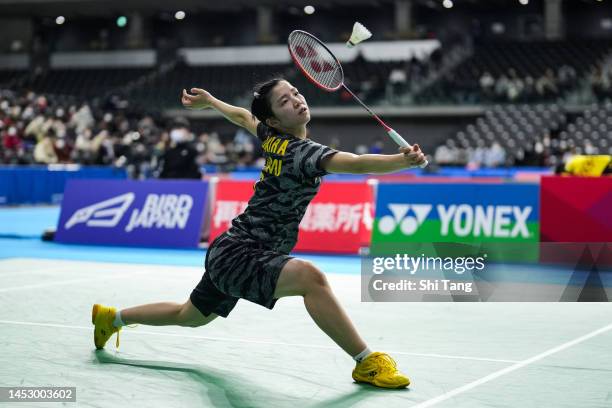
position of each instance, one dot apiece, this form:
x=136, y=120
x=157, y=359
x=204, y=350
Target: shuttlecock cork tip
x=360, y=33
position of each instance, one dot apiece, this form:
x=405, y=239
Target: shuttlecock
x=360, y=33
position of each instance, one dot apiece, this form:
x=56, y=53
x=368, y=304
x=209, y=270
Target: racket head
x=315, y=60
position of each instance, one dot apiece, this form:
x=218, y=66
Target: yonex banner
x=475, y=213
x=456, y=213
x=146, y=213
x=338, y=220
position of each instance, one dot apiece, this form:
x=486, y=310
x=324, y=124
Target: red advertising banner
x=338, y=220
x=576, y=209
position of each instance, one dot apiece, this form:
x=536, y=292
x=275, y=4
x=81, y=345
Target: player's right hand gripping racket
x=323, y=69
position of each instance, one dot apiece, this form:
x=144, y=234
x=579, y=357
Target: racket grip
x=397, y=138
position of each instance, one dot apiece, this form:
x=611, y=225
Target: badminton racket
x=323, y=69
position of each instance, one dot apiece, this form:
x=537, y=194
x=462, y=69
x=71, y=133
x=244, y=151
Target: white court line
x=12, y=271
x=253, y=341
x=66, y=282
x=509, y=369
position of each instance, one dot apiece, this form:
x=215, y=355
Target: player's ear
x=272, y=122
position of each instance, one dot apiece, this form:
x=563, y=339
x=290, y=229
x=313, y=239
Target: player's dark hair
x=261, y=107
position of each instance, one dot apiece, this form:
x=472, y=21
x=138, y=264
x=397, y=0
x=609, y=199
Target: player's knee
x=313, y=277
x=193, y=323
x=187, y=318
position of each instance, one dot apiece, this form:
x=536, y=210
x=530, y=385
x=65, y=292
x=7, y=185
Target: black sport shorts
x=237, y=269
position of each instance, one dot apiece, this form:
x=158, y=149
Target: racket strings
x=316, y=60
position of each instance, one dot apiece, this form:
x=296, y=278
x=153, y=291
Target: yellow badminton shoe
x=380, y=369
x=102, y=318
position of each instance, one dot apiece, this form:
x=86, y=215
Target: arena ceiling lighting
x=60, y=20
x=309, y=9
x=179, y=15
x=122, y=21
x=447, y=4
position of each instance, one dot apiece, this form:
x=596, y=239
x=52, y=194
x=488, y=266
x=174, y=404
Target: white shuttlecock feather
x=360, y=33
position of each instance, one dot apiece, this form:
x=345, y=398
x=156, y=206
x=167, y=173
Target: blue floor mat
x=34, y=248
x=27, y=222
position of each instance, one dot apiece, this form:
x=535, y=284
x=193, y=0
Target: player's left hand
x=201, y=99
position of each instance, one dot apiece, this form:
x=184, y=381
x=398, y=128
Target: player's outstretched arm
x=343, y=162
x=201, y=99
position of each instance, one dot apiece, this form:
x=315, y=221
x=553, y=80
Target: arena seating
x=592, y=131
x=527, y=59
x=87, y=83
x=234, y=83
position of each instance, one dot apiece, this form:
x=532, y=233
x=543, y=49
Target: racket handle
x=397, y=138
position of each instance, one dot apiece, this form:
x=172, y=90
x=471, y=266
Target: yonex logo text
x=500, y=221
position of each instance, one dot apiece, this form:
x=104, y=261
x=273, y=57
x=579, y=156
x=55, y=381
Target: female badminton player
x=251, y=260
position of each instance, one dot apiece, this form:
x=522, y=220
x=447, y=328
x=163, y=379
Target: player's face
x=289, y=106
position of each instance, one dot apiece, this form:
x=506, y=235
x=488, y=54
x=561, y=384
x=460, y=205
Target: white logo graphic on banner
x=322, y=217
x=408, y=224
x=334, y=217
x=96, y=215
x=159, y=211
x=162, y=211
x=492, y=220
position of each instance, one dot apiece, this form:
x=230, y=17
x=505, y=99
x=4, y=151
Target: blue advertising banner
x=132, y=213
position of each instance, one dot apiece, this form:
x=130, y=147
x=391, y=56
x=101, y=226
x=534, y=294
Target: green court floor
x=456, y=354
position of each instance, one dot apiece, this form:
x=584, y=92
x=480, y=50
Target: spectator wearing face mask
x=179, y=160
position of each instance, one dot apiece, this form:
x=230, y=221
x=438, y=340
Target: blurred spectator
x=446, y=154
x=63, y=149
x=515, y=86
x=217, y=152
x=501, y=88
x=334, y=142
x=600, y=80
x=243, y=147
x=478, y=154
x=546, y=85
x=396, y=83
x=82, y=119
x=487, y=82
x=567, y=76
x=361, y=149
x=10, y=139
x=44, y=152
x=495, y=155
x=179, y=161
x=377, y=147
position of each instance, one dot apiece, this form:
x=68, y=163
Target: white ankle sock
x=118, y=322
x=359, y=357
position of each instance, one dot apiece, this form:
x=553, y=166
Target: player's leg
x=166, y=314
x=302, y=278
x=108, y=321
x=205, y=303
